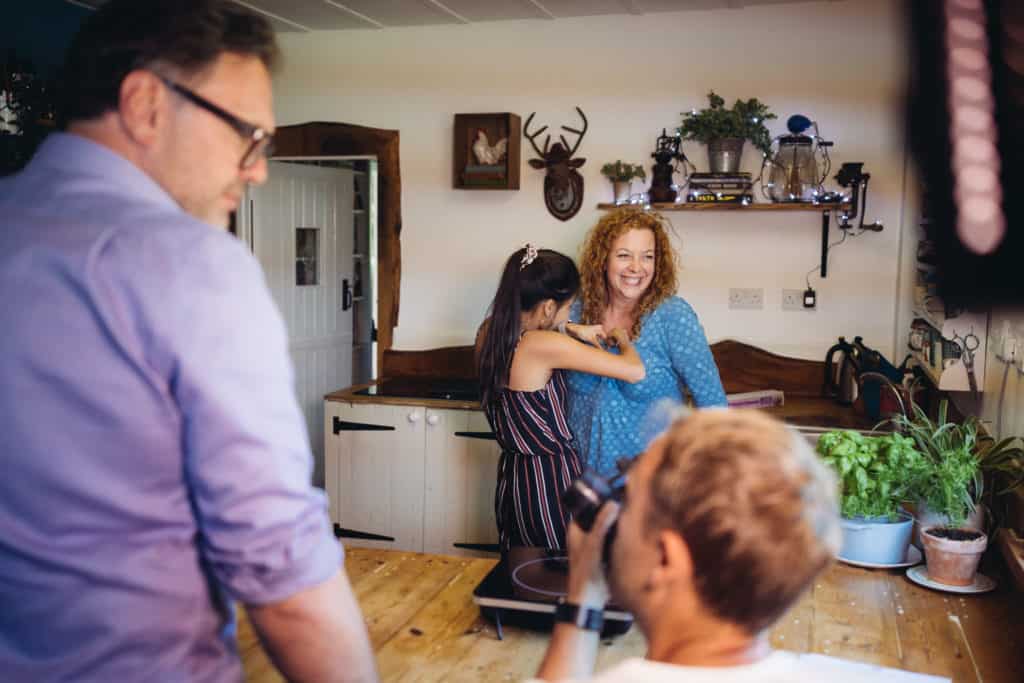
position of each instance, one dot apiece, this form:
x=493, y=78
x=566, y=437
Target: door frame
x=324, y=139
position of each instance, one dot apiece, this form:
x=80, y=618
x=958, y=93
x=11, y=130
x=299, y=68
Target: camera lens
x=585, y=496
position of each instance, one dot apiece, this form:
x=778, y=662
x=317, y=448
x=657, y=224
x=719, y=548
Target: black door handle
x=346, y=295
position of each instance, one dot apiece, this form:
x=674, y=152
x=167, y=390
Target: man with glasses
x=156, y=466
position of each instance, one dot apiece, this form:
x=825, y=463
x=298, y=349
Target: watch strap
x=586, y=618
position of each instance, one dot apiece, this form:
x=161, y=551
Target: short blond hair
x=756, y=507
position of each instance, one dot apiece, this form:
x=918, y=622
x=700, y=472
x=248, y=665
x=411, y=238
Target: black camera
x=589, y=492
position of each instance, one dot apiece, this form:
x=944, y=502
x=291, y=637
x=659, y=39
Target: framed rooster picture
x=486, y=152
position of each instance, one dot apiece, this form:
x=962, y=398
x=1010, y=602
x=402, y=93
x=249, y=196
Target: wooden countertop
x=349, y=395
x=424, y=625
x=797, y=410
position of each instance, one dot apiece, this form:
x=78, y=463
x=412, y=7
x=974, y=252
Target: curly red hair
x=594, y=263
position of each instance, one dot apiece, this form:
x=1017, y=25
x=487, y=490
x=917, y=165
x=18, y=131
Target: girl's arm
x=557, y=351
x=588, y=334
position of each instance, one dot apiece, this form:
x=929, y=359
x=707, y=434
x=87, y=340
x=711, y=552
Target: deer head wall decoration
x=563, y=185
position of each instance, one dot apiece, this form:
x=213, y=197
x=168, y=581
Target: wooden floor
x=424, y=625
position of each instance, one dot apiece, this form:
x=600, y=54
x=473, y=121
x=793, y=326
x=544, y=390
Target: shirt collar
x=69, y=152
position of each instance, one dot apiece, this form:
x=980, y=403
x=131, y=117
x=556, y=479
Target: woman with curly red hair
x=628, y=281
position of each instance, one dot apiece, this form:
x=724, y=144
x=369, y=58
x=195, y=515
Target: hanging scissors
x=969, y=343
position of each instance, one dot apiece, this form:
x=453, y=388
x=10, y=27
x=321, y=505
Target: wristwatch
x=586, y=618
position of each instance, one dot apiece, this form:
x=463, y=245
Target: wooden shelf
x=714, y=206
x=825, y=209
x=929, y=317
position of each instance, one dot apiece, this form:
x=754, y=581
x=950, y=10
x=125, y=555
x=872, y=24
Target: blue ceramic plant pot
x=876, y=540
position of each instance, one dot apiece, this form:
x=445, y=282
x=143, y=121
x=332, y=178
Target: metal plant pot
x=622, y=189
x=877, y=539
x=724, y=155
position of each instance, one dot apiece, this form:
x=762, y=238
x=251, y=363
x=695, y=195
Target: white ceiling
x=333, y=15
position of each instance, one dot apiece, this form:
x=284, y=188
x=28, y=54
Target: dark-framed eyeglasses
x=261, y=142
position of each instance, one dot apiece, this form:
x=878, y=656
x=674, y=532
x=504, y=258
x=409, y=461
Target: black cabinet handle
x=343, y=426
x=483, y=547
x=477, y=435
x=340, y=532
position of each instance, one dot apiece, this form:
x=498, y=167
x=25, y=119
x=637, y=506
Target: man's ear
x=141, y=106
x=675, y=564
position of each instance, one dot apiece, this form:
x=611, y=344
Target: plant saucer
x=919, y=575
x=912, y=557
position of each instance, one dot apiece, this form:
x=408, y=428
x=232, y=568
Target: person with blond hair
x=727, y=519
x=628, y=281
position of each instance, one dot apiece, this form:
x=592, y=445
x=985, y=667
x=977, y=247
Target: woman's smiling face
x=630, y=268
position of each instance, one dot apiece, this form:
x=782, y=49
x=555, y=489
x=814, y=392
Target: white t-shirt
x=779, y=667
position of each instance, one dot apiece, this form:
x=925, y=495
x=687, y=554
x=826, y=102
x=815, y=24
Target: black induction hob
x=450, y=390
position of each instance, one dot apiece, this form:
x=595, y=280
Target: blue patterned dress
x=613, y=419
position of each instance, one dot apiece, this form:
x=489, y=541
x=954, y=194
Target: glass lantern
x=797, y=165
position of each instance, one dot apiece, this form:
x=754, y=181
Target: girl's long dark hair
x=550, y=275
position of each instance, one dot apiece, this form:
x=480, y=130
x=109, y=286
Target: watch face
x=587, y=618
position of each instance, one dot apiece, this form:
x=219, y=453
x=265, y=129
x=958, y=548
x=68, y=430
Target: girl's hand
x=619, y=337
x=588, y=334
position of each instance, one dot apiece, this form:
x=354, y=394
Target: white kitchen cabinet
x=411, y=477
x=374, y=462
x=461, y=472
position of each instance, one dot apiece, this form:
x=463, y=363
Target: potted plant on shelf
x=621, y=174
x=725, y=130
x=873, y=478
x=950, y=489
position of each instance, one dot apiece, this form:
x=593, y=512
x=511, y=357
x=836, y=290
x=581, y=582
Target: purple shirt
x=155, y=464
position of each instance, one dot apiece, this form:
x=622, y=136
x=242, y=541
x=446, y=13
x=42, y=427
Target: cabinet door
x=375, y=474
x=461, y=471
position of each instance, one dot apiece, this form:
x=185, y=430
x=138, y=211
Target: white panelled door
x=299, y=225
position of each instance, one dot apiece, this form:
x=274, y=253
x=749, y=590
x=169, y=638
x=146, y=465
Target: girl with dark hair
x=521, y=355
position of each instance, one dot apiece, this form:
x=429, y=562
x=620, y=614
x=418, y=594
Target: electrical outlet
x=746, y=298
x=793, y=300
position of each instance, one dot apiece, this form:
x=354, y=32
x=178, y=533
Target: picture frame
x=486, y=151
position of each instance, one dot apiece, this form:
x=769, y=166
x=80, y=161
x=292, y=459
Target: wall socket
x=793, y=300
x=746, y=298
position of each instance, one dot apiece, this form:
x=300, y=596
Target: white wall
x=842, y=63
x=1000, y=404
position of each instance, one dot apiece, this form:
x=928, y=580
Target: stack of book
x=726, y=188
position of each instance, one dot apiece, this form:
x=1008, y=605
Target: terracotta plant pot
x=952, y=555
x=924, y=517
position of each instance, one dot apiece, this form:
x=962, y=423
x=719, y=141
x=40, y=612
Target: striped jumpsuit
x=538, y=462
